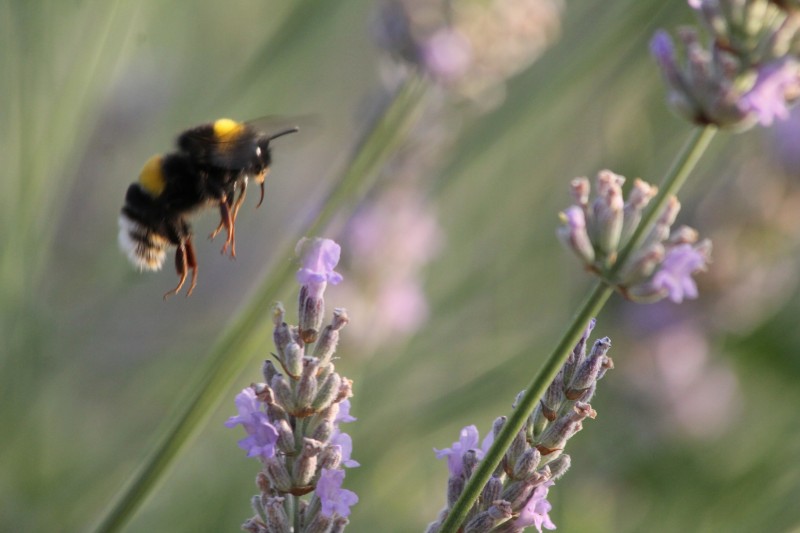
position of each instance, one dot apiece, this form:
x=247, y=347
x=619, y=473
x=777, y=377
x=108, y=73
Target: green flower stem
x=591, y=306
x=250, y=330
x=681, y=167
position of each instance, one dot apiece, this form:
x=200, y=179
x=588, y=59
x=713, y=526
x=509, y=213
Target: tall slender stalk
x=675, y=177
x=235, y=347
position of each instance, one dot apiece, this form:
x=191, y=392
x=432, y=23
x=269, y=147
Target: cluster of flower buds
x=662, y=266
x=749, y=72
x=470, y=46
x=515, y=497
x=292, y=419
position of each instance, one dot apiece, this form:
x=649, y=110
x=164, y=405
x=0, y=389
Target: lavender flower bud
x=269, y=371
x=579, y=189
x=537, y=421
x=330, y=458
x=327, y=393
x=276, y=515
x=559, y=466
x=499, y=512
x=572, y=232
x=640, y=195
x=323, y=431
x=469, y=461
x=578, y=353
x=281, y=335
x=285, y=436
x=607, y=212
x=279, y=478
x=517, y=493
x=258, y=507
x=326, y=345
x=516, y=449
x=292, y=359
x=283, y=392
x=553, y=397
x=320, y=524
x=492, y=490
x=305, y=466
x=527, y=464
x=339, y=523
x=307, y=386
x=589, y=371
x=455, y=486
x=312, y=311
x=254, y=525
x=559, y=432
x=263, y=484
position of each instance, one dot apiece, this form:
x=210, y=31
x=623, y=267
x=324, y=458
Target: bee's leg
x=227, y=223
x=239, y=200
x=222, y=219
x=181, y=264
x=191, y=261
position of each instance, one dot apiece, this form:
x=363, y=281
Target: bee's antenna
x=293, y=129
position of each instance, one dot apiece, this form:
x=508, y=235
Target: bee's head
x=263, y=149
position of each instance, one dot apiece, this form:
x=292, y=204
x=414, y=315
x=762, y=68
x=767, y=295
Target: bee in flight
x=212, y=164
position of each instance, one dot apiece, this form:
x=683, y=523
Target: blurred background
x=454, y=281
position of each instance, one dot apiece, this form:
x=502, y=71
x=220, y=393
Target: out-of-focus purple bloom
x=334, y=499
x=345, y=444
x=319, y=258
x=467, y=440
x=535, y=512
x=776, y=82
x=261, y=434
x=447, y=54
x=675, y=274
x=343, y=416
x=695, y=4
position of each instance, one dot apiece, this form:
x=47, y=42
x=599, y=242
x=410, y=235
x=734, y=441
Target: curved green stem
x=234, y=350
x=591, y=306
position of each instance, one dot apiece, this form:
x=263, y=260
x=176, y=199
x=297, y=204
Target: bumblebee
x=210, y=168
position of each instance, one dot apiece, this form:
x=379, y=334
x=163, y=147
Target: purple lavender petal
x=675, y=274
x=467, y=440
x=767, y=98
x=334, y=499
x=535, y=512
x=320, y=257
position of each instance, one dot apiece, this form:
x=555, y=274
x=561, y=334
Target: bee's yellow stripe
x=152, y=176
x=226, y=128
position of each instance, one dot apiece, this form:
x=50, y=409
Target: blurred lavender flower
x=395, y=235
x=749, y=72
x=471, y=48
x=516, y=495
x=777, y=84
x=292, y=418
x=595, y=231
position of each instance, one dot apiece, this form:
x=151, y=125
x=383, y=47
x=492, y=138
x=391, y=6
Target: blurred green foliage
x=93, y=363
